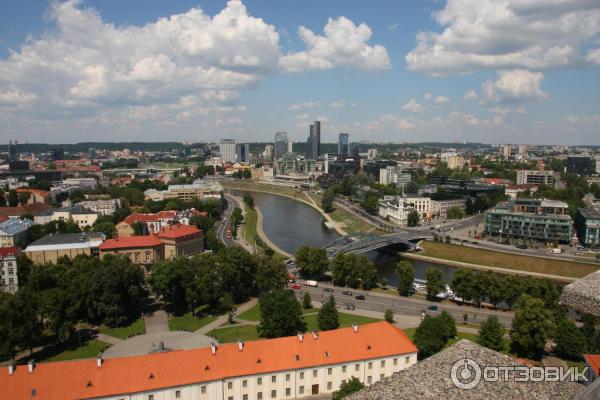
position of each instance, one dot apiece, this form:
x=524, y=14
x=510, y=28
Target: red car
x=295, y=286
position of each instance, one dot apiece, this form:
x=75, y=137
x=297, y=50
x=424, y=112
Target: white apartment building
x=102, y=207
x=452, y=160
x=227, y=150
x=78, y=214
x=535, y=177
x=9, y=280
x=393, y=174
x=201, y=188
x=84, y=183
x=439, y=208
x=283, y=368
x=395, y=210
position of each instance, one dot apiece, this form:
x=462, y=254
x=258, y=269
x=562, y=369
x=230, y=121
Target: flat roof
x=61, y=239
x=589, y=213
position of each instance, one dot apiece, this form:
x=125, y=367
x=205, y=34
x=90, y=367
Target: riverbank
x=261, y=234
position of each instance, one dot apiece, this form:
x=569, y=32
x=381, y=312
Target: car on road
x=311, y=283
x=328, y=290
x=295, y=286
x=349, y=306
x=347, y=293
x=432, y=308
x=360, y=297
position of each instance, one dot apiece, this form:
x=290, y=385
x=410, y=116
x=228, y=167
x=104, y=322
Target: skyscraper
x=281, y=144
x=313, y=143
x=343, y=144
x=506, y=151
x=227, y=150
x=242, y=151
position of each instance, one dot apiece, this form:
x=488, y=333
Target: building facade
x=581, y=165
x=344, y=143
x=242, y=151
x=181, y=240
x=439, y=208
x=141, y=250
x=227, y=150
x=534, y=177
x=102, y=207
x=9, y=277
x=393, y=174
x=532, y=219
x=587, y=223
x=80, y=215
x=283, y=368
x=13, y=231
x=280, y=146
x=51, y=247
x=152, y=223
x=200, y=188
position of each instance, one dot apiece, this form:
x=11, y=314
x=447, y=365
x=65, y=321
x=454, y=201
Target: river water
x=291, y=224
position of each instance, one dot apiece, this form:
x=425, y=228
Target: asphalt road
x=224, y=222
x=402, y=305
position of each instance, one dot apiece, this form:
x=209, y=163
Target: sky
x=492, y=71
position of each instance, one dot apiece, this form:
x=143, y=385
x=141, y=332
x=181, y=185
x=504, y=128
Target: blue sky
x=496, y=71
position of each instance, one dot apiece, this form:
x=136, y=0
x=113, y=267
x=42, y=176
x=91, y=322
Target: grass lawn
x=123, y=332
x=504, y=260
x=233, y=333
x=188, y=322
x=88, y=350
x=250, y=221
x=345, y=320
x=252, y=314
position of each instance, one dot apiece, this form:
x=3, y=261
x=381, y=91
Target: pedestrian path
x=108, y=339
x=224, y=318
x=157, y=322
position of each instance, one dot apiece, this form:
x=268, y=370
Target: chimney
x=240, y=345
x=213, y=348
x=300, y=336
x=30, y=365
x=315, y=335
x=99, y=360
x=11, y=368
x=355, y=328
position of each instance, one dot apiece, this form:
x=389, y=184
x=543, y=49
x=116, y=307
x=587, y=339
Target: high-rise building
x=343, y=143
x=242, y=151
x=268, y=153
x=314, y=141
x=281, y=144
x=371, y=154
x=227, y=150
x=522, y=150
x=506, y=151
x=534, y=177
x=581, y=164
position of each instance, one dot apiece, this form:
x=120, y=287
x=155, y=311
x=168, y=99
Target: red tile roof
x=593, y=360
x=177, y=231
x=82, y=379
x=130, y=242
x=8, y=251
x=136, y=217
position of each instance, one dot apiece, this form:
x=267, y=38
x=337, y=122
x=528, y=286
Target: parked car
x=311, y=283
x=328, y=290
x=295, y=286
x=359, y=297
x=432, y=308
x=347, y=293
x=349, y=306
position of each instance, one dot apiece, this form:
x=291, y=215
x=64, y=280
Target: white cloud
x=427, y=96
x=463, y=118
x=354, y=104
x=413, y=107
x=343, y=44
x=512, y=86
x=593, y=56
x=498, y=34
x=470, y=95
x=337, y=104
x=304, y=105
x=441, y=100
x=388, y=123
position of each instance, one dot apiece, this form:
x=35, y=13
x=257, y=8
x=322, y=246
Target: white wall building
x=283, y=368
x=393, y=174
x=227, y=150
x=535, y=177
x=102, y=207
x=9, y=280
x=439, y=208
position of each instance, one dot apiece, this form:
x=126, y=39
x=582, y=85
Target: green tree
x=406, y=275
x=168, y=280
x=312, y=261
x=428, y=337
x=347, y=388
x=270, y=274
x=455, y=213
x=570, y=342
x=139, y=228
x=280, y=315
x=13, y=198
x=388, y=315
x=327, y=200
x=491, y=334
x=24, y=198
x=532, y=325
x=448, y=324
x=306, y=301
x=133, y=196
x=371, y=202
x=413, y=218
x=249, y=200
x=435, y=282
x=328, y=318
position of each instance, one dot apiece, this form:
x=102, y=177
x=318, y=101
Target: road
x=402, y=305
x=223, y=223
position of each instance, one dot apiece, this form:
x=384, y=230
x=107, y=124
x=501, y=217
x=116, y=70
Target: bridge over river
x=362, y=243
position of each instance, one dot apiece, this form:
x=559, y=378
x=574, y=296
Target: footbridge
x=362, y=243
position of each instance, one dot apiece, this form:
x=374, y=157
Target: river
x=291, y=224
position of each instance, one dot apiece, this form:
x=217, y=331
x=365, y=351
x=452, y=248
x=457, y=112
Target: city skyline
x=408, y=72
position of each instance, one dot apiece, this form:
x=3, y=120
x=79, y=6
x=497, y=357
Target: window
x=259, y=396
x=357, y=367
x=381, y=376
x=288, y=392
x=148, y=256
x=301, y=390
x=407, y=359
x=244, y=383
x=229, y=385
x=369, y=379
x=301, y=375
x=274, y=378
x=344, y=369
x=395, y=361
x=273, y=394
x=230, y=398
x=178, y=394
x=370, y=366
x=329, y=385
x=245, y=397
x=315, y=372
x=382, y=363
x=202, y=389
x=137, y=257
x=11, y=271
x=343, y=381
x=287, y=377
x=329, y=371
x=259, y=381
x=150, y=397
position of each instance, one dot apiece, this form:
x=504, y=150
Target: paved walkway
x=157, y=342
x=108, y=339
x=157, y=322
x=224, y=318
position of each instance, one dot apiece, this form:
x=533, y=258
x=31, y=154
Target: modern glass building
x=587, y=223
x=281, y=144
x=344, y=143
